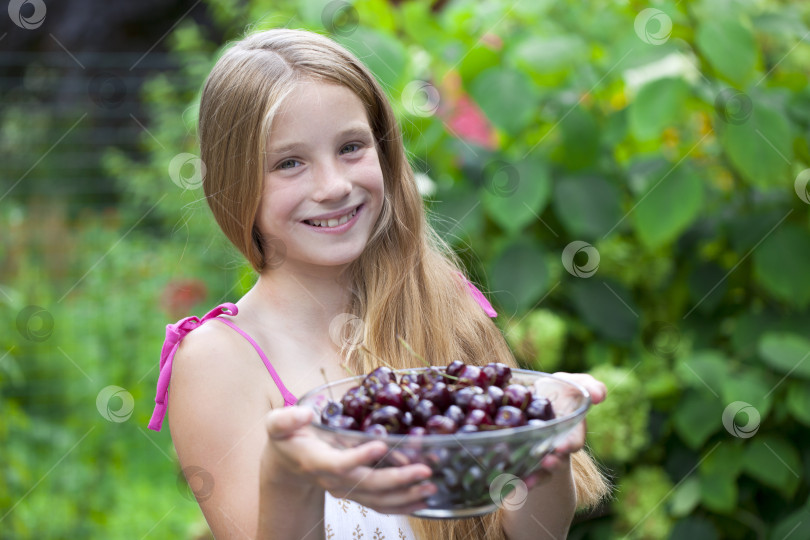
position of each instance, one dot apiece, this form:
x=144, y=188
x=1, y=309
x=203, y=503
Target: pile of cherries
x=460, y=398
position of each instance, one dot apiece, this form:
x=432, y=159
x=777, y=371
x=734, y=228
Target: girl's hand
x=296, y=456
x=575, y=440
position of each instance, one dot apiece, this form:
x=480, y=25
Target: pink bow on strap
x=481, y=299
x=174, y=335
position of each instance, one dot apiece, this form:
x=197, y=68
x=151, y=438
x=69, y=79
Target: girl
x=307, y=176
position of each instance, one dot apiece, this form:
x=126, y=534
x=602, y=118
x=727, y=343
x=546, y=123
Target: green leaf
x=685, y=497
x=545, y=55
x=580, y=140
x=707, y=286
x=658, y=104
x=588, y=206
x=718, y=476
x=796, y=525
x=760, y=148
x=607, y=307
x=773, y=461
x=457, y=213
x=704, y=370
x=729, y=47
x=668, y=206
x=693, y=528
x=514, y=195
x=718, y=493
x=697, y=417
x=750, y=386
x=519, y=275
x=786, y=353
x=725, y=460
x=782, y=264
x=798, y=401
x=506, y=96
x=478, y=59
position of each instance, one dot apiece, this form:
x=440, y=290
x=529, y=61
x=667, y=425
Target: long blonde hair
x=408, y=282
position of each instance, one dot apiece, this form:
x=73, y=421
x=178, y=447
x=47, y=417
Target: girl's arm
x=259, y=473
x=549, y=508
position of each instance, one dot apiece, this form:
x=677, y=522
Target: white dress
x=347, y=520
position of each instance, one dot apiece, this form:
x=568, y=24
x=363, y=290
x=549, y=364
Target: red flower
x=180, y=296
x=469, y=123
x=462, y=116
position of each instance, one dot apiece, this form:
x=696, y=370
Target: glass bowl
x=470, y=470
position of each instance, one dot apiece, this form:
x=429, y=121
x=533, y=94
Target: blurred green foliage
x=668, y=140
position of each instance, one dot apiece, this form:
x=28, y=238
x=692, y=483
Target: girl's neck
x=313, y=297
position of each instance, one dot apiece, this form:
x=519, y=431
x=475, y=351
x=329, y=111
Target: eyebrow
x=284, y=147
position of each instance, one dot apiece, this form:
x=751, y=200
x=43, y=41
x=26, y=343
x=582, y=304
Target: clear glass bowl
x=468, y=469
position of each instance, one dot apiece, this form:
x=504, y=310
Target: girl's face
x=323, y=185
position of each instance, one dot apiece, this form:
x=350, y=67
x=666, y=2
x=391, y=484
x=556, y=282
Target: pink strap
x=289, y=398
x=174, y=335
x=480, y=298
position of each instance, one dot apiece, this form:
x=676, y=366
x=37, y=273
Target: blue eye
x=355, y=145
x=285, y=164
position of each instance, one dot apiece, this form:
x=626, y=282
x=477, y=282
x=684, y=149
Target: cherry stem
x=377, y=358
x=326, y=380
x=419, y=356
x=409, y=391
x=347, y=370
x=413, y=352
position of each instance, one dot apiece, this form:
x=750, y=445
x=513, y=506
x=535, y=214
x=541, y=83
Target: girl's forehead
x=315, y=108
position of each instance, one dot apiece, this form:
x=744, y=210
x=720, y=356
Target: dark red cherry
x=454, y=368
x=438, y=393
x=372, y=386
x=470, y=376
x=467, y=428
x=483, y=402
x=440, y=425
x=462, y=396
x=496, y=393
x=332, y=409
x=431, y=375
x=497, y=373
x=409, y=378
x=478, y=418
x=376, y=430
x=510, y=417
x=388, y=416
x=410, y=401
x=424, y=410
x=390, y=394
x=417, y=431
x=540, y=409
x=382, y=374
x=356, y=405
x=343, y=422
x=455, y=414
x=517, y=395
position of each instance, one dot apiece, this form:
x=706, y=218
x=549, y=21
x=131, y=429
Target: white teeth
x=334, y=222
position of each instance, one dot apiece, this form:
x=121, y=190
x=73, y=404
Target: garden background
x=627, y=180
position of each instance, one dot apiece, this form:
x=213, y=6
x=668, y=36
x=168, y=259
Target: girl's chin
x=335, y=260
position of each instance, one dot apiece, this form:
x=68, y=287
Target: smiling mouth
x=333, y=222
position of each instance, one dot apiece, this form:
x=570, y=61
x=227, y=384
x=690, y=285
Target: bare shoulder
x=218, y=398
x=216, y=376
x=214, y=352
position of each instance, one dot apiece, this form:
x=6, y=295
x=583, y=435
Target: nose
x=331, y=183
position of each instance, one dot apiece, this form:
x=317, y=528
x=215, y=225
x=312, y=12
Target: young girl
x=307, y=176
